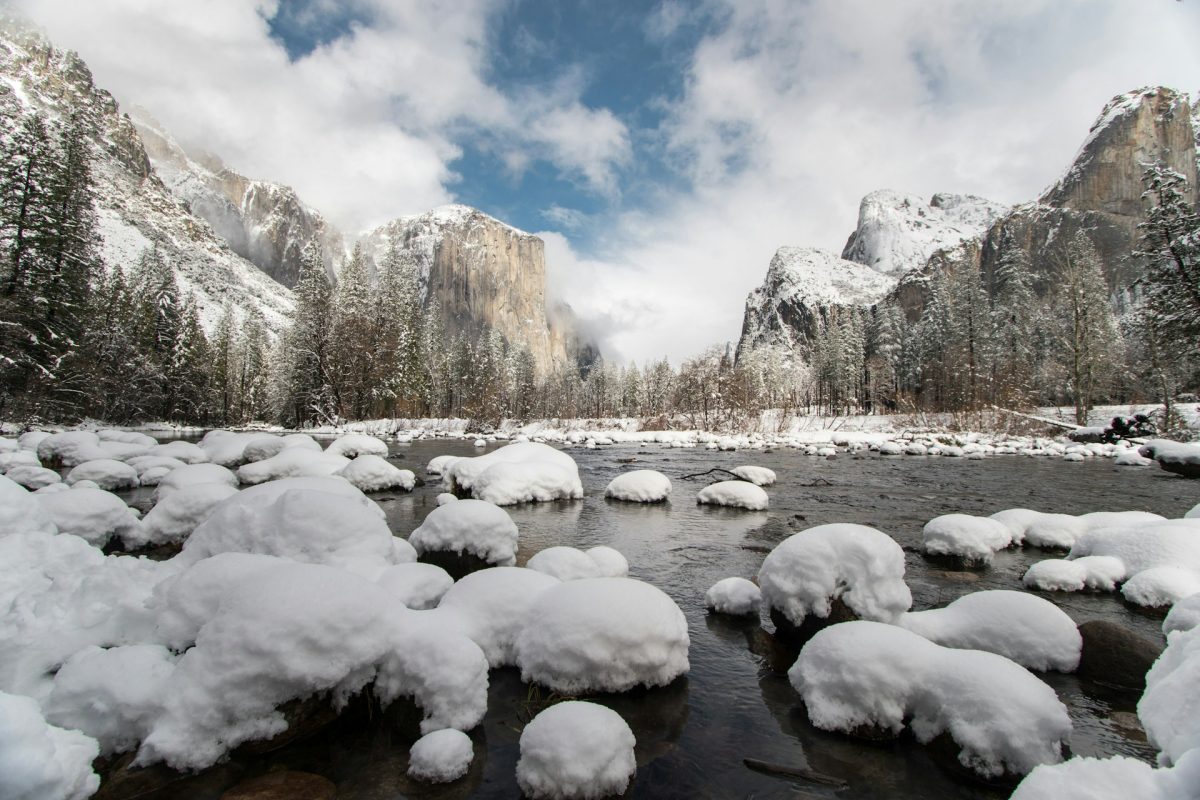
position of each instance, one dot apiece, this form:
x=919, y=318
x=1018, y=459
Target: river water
x=736, y=702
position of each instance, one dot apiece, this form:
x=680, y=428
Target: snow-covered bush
x=867, y=674
x=859, y=565
x=576, y=751
x=736, y=596
x=474, y=527
x=372, y=473
x=603, y=635
x=735, y=494
x=639, y=486
x=520, y=472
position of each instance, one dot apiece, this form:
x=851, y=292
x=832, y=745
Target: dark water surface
x=736, y=702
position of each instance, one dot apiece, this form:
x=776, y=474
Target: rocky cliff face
x=134, y=207
x=265, y=223
x=803, y=288
x=898, y=232
x=483, y=274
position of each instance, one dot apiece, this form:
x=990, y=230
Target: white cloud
x=568, y=219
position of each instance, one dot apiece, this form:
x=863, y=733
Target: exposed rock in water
x=1115, y=656
x=283, y=785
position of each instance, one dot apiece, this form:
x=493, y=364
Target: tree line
x=124, y=343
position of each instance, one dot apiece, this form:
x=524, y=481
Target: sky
x=663, y=150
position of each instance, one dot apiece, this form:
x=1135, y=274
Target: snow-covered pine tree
x=1088, y=334
x=1014, y=316
x=1170, y=244
x=306, y=350
x=353, y=353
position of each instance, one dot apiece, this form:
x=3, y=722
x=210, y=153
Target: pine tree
x=352, y=340
x=1170, y=245
x=307, y=351
x=1088, y=333
x=1014, y=313
x=222, y=366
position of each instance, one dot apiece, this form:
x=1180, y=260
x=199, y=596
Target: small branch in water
x=815, y=482
x=786, y=771
x=710, y=472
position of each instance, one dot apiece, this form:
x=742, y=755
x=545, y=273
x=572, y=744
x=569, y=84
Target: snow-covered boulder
x=520, y=472
x=371, y=473
x=1161, y=586
x=357, y=444
x=639, y=486
x=472, y=527
x=31, y=439
x=267, y=446
x=106, y=473
x=862, y=567
x=1117, y=778
x=734, y=494
x=570, y=564
x=21, y=511
x=576, y=751
x=1130, y=457
x=227, y=448
x=445, y=497
x=17, y=459
x=1031, y=631
x=418, y=586
x=94, y=515
x=1099, y=573
x=1178, y=457
x=1170, y=707
x=492, y=606
x=33, y=478
x=152, y=469
x=973, y=539
x=603, y=635
x=189, y=475
x=759, y=476
x=1183, y=616
x=867, y=674
x=441, y=756
x=1167, y=552
x=439, y=463
x=126, y=437
x=174, y=517
x=736, y=596
x=187, y=452
x=39, y=761
x=292, y=462
x=311, y=520
x=70, y=448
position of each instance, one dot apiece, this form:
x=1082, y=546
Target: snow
x=437, y=464
x=17, y=459
x=174, y=517
x=152, y=469
x=469, y=526
x=570, y=564
x=266, y=446
x=1167, y=551
x=574, y=750
x=357, y=444
x=1031, y=631
x=640, y=486
x=418, y=586
x=759, y=476
x=39, y=761
x=106, y=473
x=519, y=472
x=93, y=515
x=1132, y=458
x=1170, y=707
x=226, y=448
x=1101, y=573
x=111, y=695
x=191, y=475
x=603, y=635
x=441, y=756
x=735, y=494
x=973, y=539
x=70, y=448
x=1161, y=586
x=372, y=473
x=292, y=462
x=187, y=452
x=308, y=520
x=1183, y=616
x=1117, y=778
x=1172, y=455
x=736, y=596
x=21, y=512
x=445, y=497
x=863, y=567
x=491, y=607
x=33, y=477
x=870, y=674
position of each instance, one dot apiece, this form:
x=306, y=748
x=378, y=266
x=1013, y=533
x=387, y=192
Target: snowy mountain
x=265, y=223
x=483, y=274
x=898, y=232
x=803, y=287
x=134, y=206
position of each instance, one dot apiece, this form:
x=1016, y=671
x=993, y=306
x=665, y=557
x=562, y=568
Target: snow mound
x=759, y=476
x=1117, y=778
x=469, y=526
x=1161, y=586
x=93, y=515
x=571, y=564
x=111, y=695
x=973, y=539
x=736, y=596
x=520, y=472
x=174, y=517
x=603, y=635
x=374, y=474
x=18, y=458
x=292, y=462
x=1166, y=551
x=445, y=497
x=70, y=448
x=576, y=750
x=33, y=477
x=441, y=756
x=106, y=473
x=491, y=607
x=640, y=486
x=1031, y=631
x=1132, y=458
x=191, y=475
x=1170, y=707
x=266, y=446
x=21, y=511
x=357, y=444
x=187, y=452
x=226, y=448
x=306, y=520
x=39, y=761
x=863, y=567
x=438, y=464
x=1099, y=573
x=735, y=494
x=1178, y=457
x=152, y=469
x=869, y=674
x=418, y=586
x=1183, y=616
